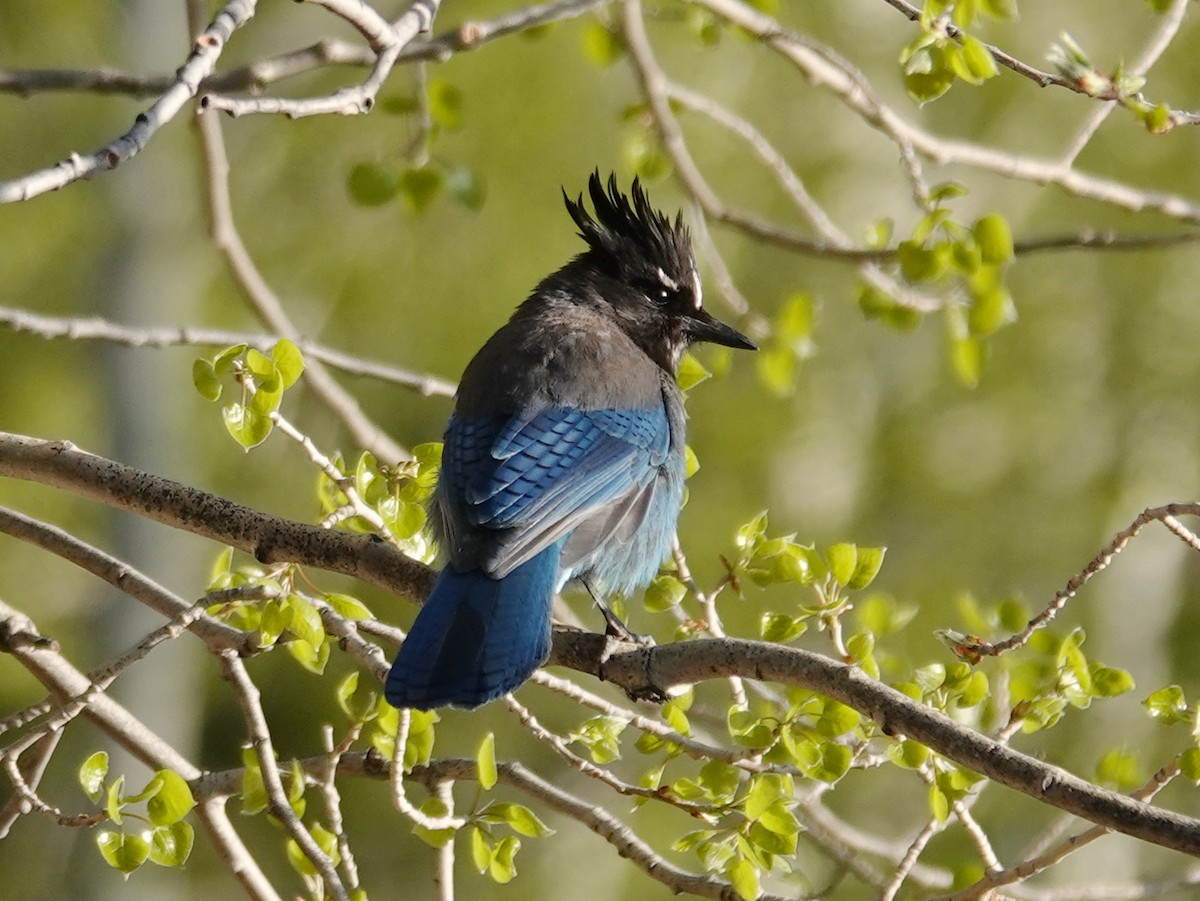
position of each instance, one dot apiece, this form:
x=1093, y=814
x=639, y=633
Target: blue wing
x=512, y=487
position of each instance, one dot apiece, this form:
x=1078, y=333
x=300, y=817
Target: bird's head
x=640, y=267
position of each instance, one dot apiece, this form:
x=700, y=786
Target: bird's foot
x=614, y=628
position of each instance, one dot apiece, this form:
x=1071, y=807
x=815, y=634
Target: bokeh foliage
x=992, y=447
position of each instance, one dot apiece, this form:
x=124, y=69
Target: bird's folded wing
x=537, y=477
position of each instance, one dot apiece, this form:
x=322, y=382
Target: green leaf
x=113, y=802
x=836, y=719
x=435, y=838
x=643, y=155
x=673, y=713
x=765, y=790
x=919, y=263
x=517, y=817
x=975, y=62
x=974, y=691
x=445, y=104
x=663, y=593
x=502, y=867
x=372, y=184
x=1168, y=705
x=601, y=735
x=781, y=628
x=843, y=562
x=248, y=427
x=1118, y=769
x=720, y=780
x=776, y=367
x=1189, y=765
x=345, y=692
x=743, y=876
x=994, y=238
x=170, y=846
x=254, y=791
x=312, y=657
x=419, y=187
x=288, y=360
x=122, y=851
x=467, y=186
x=303, y=619
x=939, y=804
x=485, y=762
x=204, y=377
x=222, y=362
x=691, y=372
x=91, y=775
x=348, y=607
x=875, y=304
x=991, y=308
x=421, y=733
x=601, y=46
x=1108, y=681
x=749, y=730
x=966, y=358
x=833, y=764
x=866, y=567
x=172, y=801
x=481, y=851
x=326, y=842
x=927, y=75
x=909, y=754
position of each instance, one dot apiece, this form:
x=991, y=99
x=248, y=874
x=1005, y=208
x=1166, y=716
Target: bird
x=564, y=456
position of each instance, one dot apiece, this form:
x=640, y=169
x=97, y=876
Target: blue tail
x=476, y=637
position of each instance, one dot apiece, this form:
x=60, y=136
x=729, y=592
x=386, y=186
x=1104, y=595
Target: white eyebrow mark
x=667, y=281
x=699, y=291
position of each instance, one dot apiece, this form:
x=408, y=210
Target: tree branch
x=206, y=51
x=268, y=538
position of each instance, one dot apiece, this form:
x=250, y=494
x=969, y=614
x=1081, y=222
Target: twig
x=123, y=577
x=1157, y=46
x=973, y=647
x=249, y=700
x=206, y=51
x=599, y=773
x=1025, y=869
x=386, y=40
x=95, y=328
x=400, y=797
x=267, y=306
x=849, y=89
x=50, y=668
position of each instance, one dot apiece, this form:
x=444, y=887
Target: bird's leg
x=613, y=626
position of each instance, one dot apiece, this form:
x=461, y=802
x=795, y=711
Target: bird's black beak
x=701, y=326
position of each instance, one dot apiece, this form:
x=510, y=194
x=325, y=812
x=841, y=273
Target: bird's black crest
x=634, y=232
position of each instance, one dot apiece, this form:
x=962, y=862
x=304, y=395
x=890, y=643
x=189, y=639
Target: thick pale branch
x=640, y=671
x=268, y=538
x=645, y=669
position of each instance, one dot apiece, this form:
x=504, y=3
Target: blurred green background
x=1084, y=416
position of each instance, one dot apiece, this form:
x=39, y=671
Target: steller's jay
x=564, y=456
